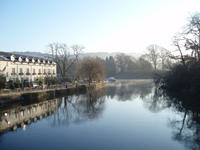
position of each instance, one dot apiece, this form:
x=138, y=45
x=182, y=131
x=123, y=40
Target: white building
x=23, y=67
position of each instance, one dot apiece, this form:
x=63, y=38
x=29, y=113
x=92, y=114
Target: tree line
x=184, y=76
x=70, y=65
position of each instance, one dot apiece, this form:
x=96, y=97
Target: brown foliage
x=91, y=69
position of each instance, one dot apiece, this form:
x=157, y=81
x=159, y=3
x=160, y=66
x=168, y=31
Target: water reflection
x=71, y=109
x=76, y=109
x=186, y=129
x=19, y=116
x=129, y=90
x=82, y=108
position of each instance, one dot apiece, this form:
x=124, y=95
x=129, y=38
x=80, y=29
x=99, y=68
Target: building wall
x=24, y=70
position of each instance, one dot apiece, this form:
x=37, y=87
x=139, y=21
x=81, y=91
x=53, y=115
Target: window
x=34, y=72
x=13, y=70
x=21, y=71
x=27, y=71
x=44, y=70
x=39, y=70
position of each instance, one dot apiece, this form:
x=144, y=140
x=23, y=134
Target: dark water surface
x=122, y=116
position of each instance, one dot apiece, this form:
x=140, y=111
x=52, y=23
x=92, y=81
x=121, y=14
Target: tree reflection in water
x=84, y=107
x=79, y=108
x=76, y=109
x=186, y=129
x=129, y=90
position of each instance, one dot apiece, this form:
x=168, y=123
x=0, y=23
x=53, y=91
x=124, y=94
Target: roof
x=7, y=55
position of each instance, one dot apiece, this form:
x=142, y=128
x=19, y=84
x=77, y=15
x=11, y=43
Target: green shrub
x=40, y=81
x=2, y=81
x=26, y=83
x=11, y=84
x=50, y=80
x=17, y=83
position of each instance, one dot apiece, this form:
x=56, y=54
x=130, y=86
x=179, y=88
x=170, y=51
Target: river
x=122, y=116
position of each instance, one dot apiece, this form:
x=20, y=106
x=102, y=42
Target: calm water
x=123, y=116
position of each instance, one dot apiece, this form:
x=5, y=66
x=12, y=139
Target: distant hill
x=36, y=54
x=94, y=54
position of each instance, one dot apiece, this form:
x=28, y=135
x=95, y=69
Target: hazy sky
x=99, y=25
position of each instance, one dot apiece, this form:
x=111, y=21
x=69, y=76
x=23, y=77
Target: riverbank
x=38, y=95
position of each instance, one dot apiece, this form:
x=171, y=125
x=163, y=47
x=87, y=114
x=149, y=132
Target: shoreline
x=44, y=94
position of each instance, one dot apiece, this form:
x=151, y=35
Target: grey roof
x=7, y=55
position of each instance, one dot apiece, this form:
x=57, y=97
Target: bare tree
x=153, y=55
x=189, y=40
x=159, y=57
x=64, y=56
x=178, y=43
x=165, y=59
x=192, y=36
x=91, y=69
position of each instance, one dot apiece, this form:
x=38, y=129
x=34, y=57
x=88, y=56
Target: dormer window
x=20, y=59
x=27, y=60
x=53, y=63
x=38, y=60
x=12, y=58
x=33, y=60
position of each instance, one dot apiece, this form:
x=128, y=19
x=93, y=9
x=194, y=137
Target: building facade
x=22, y=67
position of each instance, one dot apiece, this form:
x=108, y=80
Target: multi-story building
x=23, y=67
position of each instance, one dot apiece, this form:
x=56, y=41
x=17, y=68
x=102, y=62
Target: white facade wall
x=25, y=70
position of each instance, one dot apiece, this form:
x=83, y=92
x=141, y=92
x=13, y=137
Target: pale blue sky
x=99, y=25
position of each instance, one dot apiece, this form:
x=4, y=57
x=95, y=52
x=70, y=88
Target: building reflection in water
x=18, y=116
